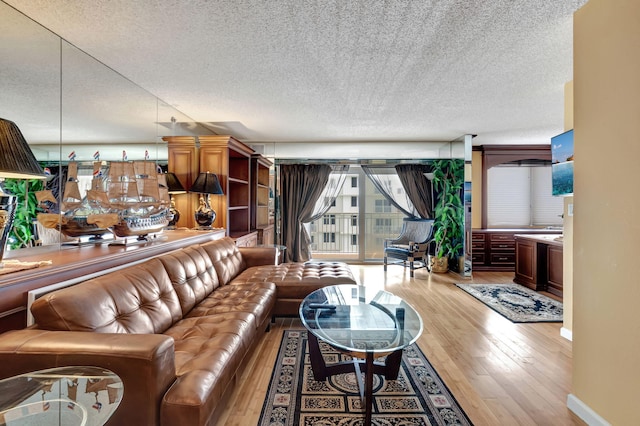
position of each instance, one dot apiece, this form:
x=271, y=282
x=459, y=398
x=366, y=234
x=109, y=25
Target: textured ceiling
x=338, y=70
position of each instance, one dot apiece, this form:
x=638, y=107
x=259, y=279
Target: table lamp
x=16, y=162
x=206, y=184
x=175, y=187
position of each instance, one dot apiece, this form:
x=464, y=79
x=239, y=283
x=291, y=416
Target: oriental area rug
x=417, y=397
x=515, y=302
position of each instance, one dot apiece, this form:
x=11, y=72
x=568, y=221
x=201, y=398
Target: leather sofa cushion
x=209, y=343
x=133, y=300
x=192, y=275
x=226, y=258
x=297, y=280
x=256, y=299
x=208, y=352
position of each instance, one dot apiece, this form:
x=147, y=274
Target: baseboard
x=583, y=411
x=566, y=333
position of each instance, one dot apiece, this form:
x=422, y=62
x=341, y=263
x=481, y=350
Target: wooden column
x=183, y=161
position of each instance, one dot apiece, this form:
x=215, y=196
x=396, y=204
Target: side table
x=60, y=396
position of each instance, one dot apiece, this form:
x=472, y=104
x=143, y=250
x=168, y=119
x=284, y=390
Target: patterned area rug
x=515, y=302
x=418, y=397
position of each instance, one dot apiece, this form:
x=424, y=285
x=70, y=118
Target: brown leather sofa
x=176, y=329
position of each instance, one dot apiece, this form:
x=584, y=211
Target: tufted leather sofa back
x=133, y=300
x=192, y=275
x=226, y=259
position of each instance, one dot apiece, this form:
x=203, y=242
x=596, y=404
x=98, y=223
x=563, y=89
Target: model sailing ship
x=132, y=200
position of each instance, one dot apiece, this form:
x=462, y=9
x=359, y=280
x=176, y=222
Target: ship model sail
x=138, y=192
x=133, y=200
x=77, y=217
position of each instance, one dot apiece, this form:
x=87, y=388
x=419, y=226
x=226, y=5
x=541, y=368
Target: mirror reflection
x=69, y=106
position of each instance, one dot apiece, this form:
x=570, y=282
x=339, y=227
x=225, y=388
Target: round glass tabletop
x=358, y=319
x=60, y=396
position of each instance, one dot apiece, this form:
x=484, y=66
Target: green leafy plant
x=448, y=181
x=21, y=234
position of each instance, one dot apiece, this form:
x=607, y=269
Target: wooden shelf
x=244, y=176
x=260, y=213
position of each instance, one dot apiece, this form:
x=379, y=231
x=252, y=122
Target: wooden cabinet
x=492, y=251
x=539, y=263
x=261, y=216
x=183, y=161
x=555, y=269
x=527, y=263
x=230, y=159
x=243, y=175
x=247, y=240
x=495, y=249
x=478, y=252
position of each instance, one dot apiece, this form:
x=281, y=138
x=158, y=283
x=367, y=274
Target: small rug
x=515, y=302
x=417, y=397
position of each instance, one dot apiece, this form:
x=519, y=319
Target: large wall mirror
x=65, y=101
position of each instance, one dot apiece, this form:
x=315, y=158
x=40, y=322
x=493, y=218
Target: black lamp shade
x=16, y=161
x=207, y=183
x=174, y=185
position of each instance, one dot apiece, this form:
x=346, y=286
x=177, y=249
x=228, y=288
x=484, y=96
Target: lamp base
x=205, y=215
x=205, y=219
x=175, y=217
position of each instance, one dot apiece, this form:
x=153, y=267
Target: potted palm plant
x=448, y=182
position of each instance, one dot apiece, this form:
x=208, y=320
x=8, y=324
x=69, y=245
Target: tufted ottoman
x=294, y=281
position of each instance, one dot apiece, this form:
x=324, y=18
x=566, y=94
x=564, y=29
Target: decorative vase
x=439, y=265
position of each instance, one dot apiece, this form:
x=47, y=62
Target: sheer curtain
x=330, y=192
x=386, y=180
x=418, y=187
x=301, y=186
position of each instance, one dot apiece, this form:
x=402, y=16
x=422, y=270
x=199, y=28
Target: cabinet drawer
x=475, y=245
x=476, y=237
x=478, y=258
x=503, y=245
x=502, y=237
x=503, y=258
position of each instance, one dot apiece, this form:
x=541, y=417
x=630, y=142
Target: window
x=354, y=220
x=382, y=206
x=382, y=225
x=354, y=182
x=329, y=219
x=354, y=240
x=381, y=221
x=521, y=196
x=329, y=237
x=333, y=203
x=354, y=201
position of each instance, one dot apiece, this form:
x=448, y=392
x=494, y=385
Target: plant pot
x=439, y=265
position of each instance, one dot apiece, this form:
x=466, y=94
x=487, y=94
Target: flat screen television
x=562, y=164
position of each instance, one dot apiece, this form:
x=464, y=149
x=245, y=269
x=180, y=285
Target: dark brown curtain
x=417, y=187
x=300, y=187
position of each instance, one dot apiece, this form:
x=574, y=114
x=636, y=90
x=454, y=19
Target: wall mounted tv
x=562, y=164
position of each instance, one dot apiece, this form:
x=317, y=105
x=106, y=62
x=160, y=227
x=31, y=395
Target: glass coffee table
x=364, y=323
x=60, y=396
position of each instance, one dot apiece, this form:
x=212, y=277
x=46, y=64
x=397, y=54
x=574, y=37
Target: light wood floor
x=501, y=373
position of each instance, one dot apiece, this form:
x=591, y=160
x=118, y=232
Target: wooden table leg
x=318, y=365
x=368, y=392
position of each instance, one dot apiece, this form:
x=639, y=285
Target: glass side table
x=60, y=396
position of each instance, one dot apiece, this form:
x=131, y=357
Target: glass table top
x=358, y=319
x=60, y=396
